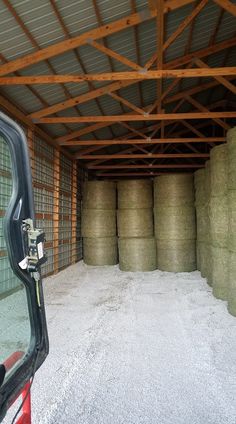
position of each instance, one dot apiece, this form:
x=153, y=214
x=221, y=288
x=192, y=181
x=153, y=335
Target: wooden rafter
x=115, y=55
x=227, y=5
x=143, y=156
x=141, y=166
x=97, y=33
x=152, y=117
x=220, y=79
x=127, y=103
x=142, y=141
x=120, y=76
x=204, y=109
x=121, y=84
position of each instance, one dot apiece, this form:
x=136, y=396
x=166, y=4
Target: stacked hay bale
x=231, y=145
x=99, y=223
x=137, y=250
x=219, y=221
x=200, y=204
x=174, y=215
x=208, y=263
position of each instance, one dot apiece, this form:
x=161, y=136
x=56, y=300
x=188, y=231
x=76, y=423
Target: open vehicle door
x=23, y=331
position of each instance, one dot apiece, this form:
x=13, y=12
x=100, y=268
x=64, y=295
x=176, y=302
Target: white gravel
x=135, y=348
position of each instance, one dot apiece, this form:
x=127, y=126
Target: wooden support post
x=73, y=211
x=56, y=195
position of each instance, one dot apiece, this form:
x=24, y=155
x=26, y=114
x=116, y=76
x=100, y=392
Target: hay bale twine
x=100, y=251
x=137, y=254
x=232, y=220
x=173, y=190
x=218, y=213
x=176, y=255
x=99, y=195
x=135, y=222
x=220, y=272
x=232, y=283
x=175, y=223
x=200, y=190
x=98, y=223
x=219, y=168
x=134, y=194
x=231, y=145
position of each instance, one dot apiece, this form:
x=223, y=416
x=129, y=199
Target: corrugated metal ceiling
x=79, y=16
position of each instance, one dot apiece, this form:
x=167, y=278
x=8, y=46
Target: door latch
x=35, y=254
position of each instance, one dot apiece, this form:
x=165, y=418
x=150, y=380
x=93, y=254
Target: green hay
x=137, y=254
x=100, y=251
x=135, y=222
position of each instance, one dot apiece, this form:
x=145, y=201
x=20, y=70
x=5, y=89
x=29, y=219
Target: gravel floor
x=135, y=348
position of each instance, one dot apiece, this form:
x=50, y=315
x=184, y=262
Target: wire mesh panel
x=43, y=181
x=8, y=279
x=81, y=177
x=65, y=212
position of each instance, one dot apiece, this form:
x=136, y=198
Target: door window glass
x=15, y=329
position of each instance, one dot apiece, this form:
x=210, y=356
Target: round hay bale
x=176, y=255
x=198, y=255
x=98, y=223
x=232, y=220
x=232, y=167
x=219, y=169
x=173, y=190
x=232, y=283
x=208, y=180
x=135, y=222
x=175, y=223
x=100, y=251
x=99, y=195
x=137, y=254
x=220, y=272
x=135, y=194
x=200, y=189
x=201, y=221
x=218, y=213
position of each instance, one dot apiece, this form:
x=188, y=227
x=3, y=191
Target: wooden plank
x=147, y=174
x=151, y=117
x=142, y=156
x=120, y=84
x=185, y=23
x=143, y=141
x=56, y=193
x=115, y=55
x=120, y=76
x=100, y=32
x=227, y=5
x=142, y=166
x=126, y=103
x=196, y=104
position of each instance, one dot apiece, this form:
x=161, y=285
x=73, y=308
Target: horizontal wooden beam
x=148, y=174
x=143, y=156
x=145, y=117
x=143, y=166
x=93, y=94
x=120, y=76
x=146, y=140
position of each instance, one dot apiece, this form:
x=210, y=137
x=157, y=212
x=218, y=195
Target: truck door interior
x=23, y=332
